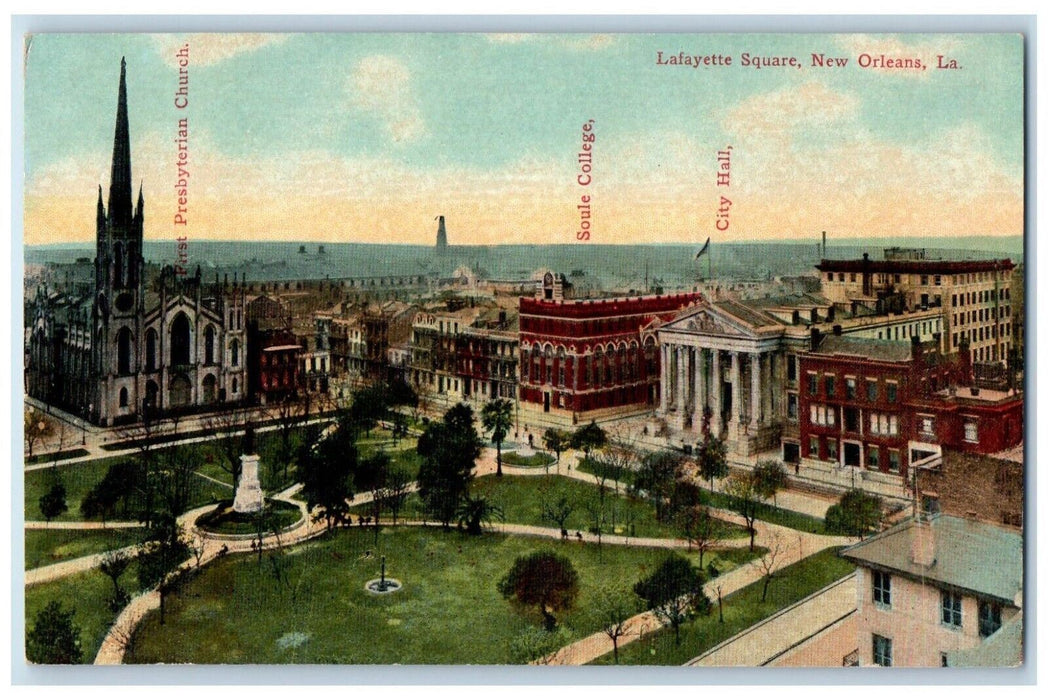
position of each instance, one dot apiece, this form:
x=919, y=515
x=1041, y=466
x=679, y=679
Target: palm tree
x=497, y=417
x=472, y=513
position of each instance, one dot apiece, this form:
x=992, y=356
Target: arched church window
x=234, y=351
x=123, y=351
x=209, y=346
x=123, y=397
x=151, y=349
x=180, y=340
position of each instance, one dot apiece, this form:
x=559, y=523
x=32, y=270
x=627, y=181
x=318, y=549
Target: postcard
x=700, y=350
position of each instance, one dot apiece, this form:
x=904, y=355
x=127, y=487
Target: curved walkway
x=796, y=545
x=80, y=525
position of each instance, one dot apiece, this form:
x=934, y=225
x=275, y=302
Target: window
x=831, y=450
x=813, y=447
x=873, y=457
x=871, y=391
x=123, y=397
x=951, y=609
x=989, y=618
x=850, y=387
x=894, y=463
x=882, y=650
x=971, y=431
x=791, y=368
x=823, y=415
x=927, y=425
x=813, y=384
x=892, y=392
x=924, y=279
x=882, y=588
x=791, y=406
x=884, y=424
x=830, y=385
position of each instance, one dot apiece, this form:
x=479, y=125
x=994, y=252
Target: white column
x=681, y=381
x=755, y=389
x=700, y=389
x=736, y=389
x=716, y=387
x=664, y=378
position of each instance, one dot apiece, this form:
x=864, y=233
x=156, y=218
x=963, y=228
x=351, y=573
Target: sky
x=368, y=137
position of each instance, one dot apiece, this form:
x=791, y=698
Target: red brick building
x=880, y=405
x=586, y=355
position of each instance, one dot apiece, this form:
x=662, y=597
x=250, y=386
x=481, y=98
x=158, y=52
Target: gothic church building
x=144, y=343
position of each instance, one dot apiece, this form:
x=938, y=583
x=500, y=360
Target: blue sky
x=368, y=136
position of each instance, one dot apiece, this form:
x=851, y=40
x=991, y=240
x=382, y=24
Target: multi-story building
x=975, y=296
x=274, y=352
x=135, y=345
x=883, y=405
x=731, y=368
x=486, y=354
x=434, y=344
x=589, y=356
x=939, y=591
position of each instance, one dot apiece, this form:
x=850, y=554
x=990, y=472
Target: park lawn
x=742, y=610
x=46, y=547
x=87, y=593
x=81, y=477
x=521, y=500
x=612, y=473
x=403, y=457
x=449, y=611
x=771, y=514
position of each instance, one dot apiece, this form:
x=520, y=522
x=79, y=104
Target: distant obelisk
x=442, y=236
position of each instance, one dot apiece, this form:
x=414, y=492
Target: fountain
x=382, y=585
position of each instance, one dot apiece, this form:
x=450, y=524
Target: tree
x=371, y=475
x=113, y=565
x=54, y=638
x=616, y=608
x=543, y=580
x=36, y=427
x=770, y=562
x=370, y=405
x=769, y=478
x=557, y=503
x=395, y=492
x=163, y=551
x=226, y=428
x=556, y=441
x=100, y=501
x=325, y=468
x=713, y=459
x=449, y=449
x=745, y=499
x=287, y=418
x=857, y=513
x=674, y=592
x=53, y=503
x=700, y=529
x=497, y=418
x=656, y=477
x=588, y=438
x=473, y=512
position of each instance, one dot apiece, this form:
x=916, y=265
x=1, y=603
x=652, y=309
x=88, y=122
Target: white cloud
x=208, y=49
x=381, y=86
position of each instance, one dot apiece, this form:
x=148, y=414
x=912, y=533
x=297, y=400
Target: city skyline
x=366, y=138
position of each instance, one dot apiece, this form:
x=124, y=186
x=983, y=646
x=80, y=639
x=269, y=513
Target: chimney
x=837, y=330
x=830, y=313
x=814, y=315
x=816, y=337
x=796, y=317
x=922, y=545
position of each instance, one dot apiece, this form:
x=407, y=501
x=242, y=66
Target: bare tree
x=770, y=562
x=226, y=428
x=557, y=505
x=617, y=609
x=703, y=531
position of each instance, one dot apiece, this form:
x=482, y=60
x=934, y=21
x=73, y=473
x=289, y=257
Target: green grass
x=539, y=459
x=81, y=477
x=87, y=593
x=45, y=547
x=521, y=499
x=772, y=514
x=57, y=456
x=610, y=472
x=742, y=610
x=449, y=611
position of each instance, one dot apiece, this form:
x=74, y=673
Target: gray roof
x=978, y=558
x=753, y=317
x=1003, y=648
x=889, y=350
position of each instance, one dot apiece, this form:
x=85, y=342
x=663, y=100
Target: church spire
x=120, y=180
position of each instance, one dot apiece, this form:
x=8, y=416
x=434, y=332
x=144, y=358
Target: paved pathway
x=774, y=635
x=62, y=569
x=80, y=525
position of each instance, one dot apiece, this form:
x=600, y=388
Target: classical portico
x=725, y=368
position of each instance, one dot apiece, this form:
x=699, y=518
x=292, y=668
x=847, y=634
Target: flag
x=704, y=249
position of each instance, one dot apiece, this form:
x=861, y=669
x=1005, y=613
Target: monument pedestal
x=249, y=491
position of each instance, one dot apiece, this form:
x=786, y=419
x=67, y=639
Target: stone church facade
x=143, y=343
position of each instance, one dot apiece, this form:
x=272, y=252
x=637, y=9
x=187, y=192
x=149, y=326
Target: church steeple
x=120, y=180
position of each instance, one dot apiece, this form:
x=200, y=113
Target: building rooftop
x=979, y=558
x=1002, y=649
x=947, y=267
x=868, y=348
